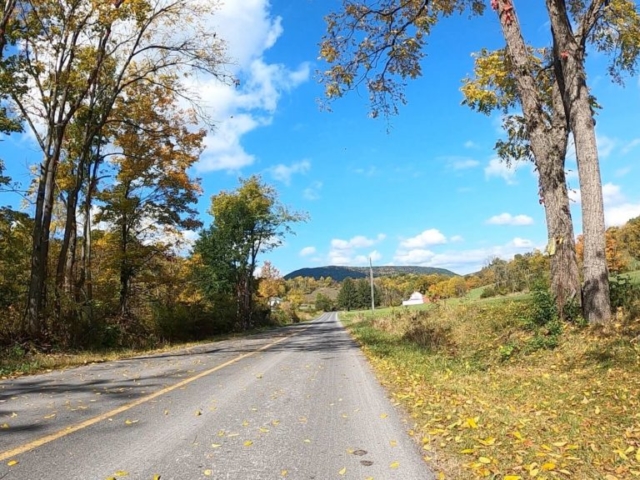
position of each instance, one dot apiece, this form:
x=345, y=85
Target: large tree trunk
x=548, y=135
x=38, y=266
x=36, y=297
x=571, y=73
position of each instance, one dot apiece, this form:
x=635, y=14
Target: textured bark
x=36, y=299
x=570, y=70
x=548, y=135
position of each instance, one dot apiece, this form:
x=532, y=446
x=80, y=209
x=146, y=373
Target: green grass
x=635, y=276
x=491, y=398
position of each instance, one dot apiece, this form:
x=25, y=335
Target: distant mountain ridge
x=339, y=273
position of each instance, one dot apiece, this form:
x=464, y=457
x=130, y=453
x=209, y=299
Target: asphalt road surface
x=297, y=403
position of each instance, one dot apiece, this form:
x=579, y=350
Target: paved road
x=297, y=403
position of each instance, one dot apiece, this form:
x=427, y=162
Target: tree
x=540, y=135
x=629, y=235
x=14, y=258
x=380, y=44
x=347, y=296
x=77, y=58
x=271, y=282
x=323, y=303
x=152, y=194
x=246, y=222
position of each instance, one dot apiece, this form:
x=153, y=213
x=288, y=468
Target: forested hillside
x=339, y=273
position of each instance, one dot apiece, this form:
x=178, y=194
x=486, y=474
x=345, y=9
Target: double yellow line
x=87, y=423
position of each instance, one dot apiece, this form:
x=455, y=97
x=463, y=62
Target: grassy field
x=493, y=396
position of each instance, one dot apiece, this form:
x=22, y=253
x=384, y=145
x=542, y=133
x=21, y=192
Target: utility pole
x=373, y=302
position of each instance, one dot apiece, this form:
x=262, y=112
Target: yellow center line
x=87, y=423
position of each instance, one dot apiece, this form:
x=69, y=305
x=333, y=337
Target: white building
x=416, y=298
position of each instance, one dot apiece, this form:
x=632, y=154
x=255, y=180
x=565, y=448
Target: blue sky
x=427, y=189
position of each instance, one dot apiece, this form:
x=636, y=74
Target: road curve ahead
x=295, y=403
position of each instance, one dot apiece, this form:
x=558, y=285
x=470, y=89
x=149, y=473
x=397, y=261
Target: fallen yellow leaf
x=4, y=425
x=248, y=443
x=215, y=445
x=130, y=422
x=284, y=473
x=512, y=477
x=547, y=467
x=11, y=463
x=488, y=441
x=343, y=471
x=383, y=415
x=207, y=473
x=156, y=476
x=484, y=460
x=472, y=423
x=121, y=473
x=394, y=465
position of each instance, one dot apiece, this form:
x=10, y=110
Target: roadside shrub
x=544, y=308
x=488, y=292
x=543, y=320
x=430, y=335
x=624, y=294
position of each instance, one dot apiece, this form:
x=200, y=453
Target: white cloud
x=364, y=259
x=622, y=172
x=460, y=163
x=630, y=146
x=498, y=168
x=283, y=173
x=621, y=214
x=470, y=144
x=456, y=239
x=414, y=257
x=462, y=261
x=605, y=145
x=343, y=252
x=370, y=171
x=464, y=164
x=508, y=219
x=312, y=192
x=426, y=238
x=249, y=30
x=306, y=251
x=521, y=243
x=359, y=241
x=611, y=194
